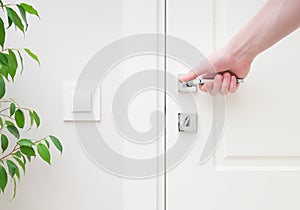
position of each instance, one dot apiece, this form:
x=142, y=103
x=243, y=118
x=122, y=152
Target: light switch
x=87, y=106
x=84, y=102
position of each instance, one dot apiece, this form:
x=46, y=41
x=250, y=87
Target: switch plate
x=84, y=102
x=87, y=107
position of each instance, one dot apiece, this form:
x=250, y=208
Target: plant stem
x=4, y=115
x=4, y=101
x=7, y=5
x=8, y=101
x=9, y=154
x=16, y=107
x=17, y=147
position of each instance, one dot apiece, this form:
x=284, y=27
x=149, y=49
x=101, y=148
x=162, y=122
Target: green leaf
x=12, y=64
x=4, y=142
x=12, y=109
x=56, y=143
x=32, y=55
x=4, y=70
x=44, y=152
x=23, y=14
x=18, y=154
x=23, y=158
x=36, y=119
x=21, y=61
x=15, y=18
x=31, y=117
x=15, y=189
x=2, y=33
x=1, y=122
x=18, y=173
x=2, y=87
x=20, y=119
x=25, y=142
x=28, y=8
x=21, y=163
x=3, y=59
x=28, y=158
x=26, y=150
x=11, y=167
x=3, y=178
x=9, y=22
x=1, y=3
x=7, y=122
x=47, y=143
x=14, y=131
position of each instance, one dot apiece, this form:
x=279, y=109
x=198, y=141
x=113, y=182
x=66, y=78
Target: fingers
x=222, y=84
x=203, y=88
x=233, y=85
x=216, y=85
x=225, y=84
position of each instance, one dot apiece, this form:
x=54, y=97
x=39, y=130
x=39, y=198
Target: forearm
x=274, y=21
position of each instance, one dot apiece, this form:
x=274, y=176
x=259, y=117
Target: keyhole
x=187, y=121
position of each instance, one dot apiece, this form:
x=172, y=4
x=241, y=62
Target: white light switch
x=84, y=103
x=87, y=106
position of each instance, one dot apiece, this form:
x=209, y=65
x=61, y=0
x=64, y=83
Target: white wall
x=69, y=33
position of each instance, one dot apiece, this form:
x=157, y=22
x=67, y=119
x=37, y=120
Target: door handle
x=202, y=81
x=191, y=86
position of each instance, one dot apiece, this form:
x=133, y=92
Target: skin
x=274, y=21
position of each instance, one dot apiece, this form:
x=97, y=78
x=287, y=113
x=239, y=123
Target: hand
x=224, y=67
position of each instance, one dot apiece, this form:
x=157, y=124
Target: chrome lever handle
x=201, y=81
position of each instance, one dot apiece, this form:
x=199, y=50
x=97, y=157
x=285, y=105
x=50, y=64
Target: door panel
x=257, y=164
x=268, y=134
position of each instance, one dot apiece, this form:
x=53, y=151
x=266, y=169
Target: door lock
x=187, y=122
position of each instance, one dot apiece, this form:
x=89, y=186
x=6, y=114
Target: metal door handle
x=201, y=81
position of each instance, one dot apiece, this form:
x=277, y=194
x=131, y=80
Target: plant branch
x=4, y=115
x=8, y=101
x=9, y=154
x=17, y=147
x=23, y=108
x=4, y=101
x=7, y=5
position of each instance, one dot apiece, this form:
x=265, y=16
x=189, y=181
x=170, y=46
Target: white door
x=256, y=166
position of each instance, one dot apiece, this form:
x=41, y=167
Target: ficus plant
x=17, y=121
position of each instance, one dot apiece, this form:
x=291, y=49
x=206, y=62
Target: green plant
x=15, y=121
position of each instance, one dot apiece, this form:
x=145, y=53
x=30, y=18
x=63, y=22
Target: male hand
x=224, y=67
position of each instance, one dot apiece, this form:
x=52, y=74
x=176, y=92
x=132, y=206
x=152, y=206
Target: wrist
x=242, y=50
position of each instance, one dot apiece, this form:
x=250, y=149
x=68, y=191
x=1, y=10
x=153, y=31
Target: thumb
x=188, y=76
x=205, y=67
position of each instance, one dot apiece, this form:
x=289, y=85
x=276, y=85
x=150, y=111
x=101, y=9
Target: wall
x=69, y=33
